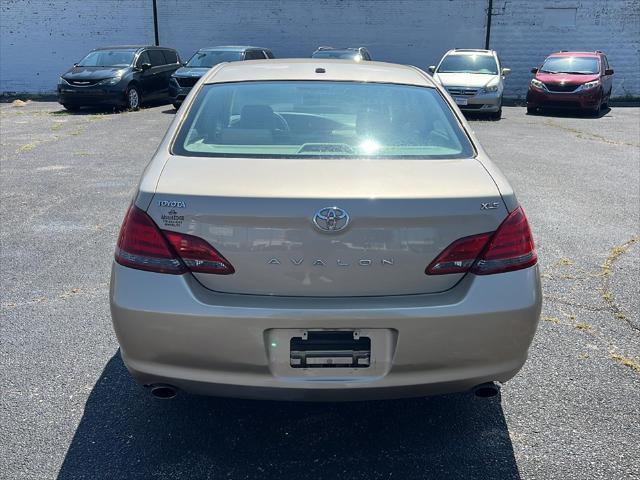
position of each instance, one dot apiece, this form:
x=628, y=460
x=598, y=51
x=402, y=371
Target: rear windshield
x=469, y=64
x=579, y=65
x=210, y=58
x=108, y=58
x=320, y=119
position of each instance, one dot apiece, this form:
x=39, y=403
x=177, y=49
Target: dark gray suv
x=185, y=78
x=122, y=76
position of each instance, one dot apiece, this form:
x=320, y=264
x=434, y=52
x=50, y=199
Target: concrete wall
x=41, y=39
x=402, y=31
x=525, y=32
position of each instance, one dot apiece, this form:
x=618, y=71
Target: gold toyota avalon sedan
x=323, y=230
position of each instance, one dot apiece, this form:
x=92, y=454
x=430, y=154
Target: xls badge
x=331, y=219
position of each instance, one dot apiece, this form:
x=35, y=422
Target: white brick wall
x=523, y=38
x=402, y=31
x=41, y=39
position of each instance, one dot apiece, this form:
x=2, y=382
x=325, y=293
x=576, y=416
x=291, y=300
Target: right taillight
x=508, y=248
x=142, y=245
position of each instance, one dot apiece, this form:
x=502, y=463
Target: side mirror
x=534, y=70
x=145, y=66
x=75, y=64
x=506, y=71
x=432, y=69
x=608, y=71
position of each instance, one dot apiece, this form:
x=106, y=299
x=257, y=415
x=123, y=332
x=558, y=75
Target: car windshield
x=580, y=65
x=296, y=119
x=209, y=58
x=343, y=54
x=108, y=58
x=483, y=64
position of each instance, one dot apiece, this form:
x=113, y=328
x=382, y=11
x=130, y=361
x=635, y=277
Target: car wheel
x=532, y=110
x=496, y=115
x=71, y=108
x=597, y=110
x=176, y=105
x=133, y=98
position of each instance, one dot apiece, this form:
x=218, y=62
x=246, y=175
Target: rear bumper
x=173, y=330
x=586, y=100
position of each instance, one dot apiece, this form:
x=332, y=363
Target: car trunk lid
x=259, y=214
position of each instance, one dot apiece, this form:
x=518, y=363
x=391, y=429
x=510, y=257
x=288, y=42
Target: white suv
x=474, y=78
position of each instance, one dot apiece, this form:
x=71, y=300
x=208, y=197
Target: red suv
x=571, y=79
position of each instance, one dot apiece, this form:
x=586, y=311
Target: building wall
x=41, y=39
x=525, y=32
x=417, y=32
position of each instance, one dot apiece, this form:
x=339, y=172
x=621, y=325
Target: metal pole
x=488, y=37
x=155, y=22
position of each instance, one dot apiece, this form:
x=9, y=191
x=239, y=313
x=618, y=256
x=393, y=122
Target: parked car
x=124, y=76
x=474, y=78
x=349, y=53
x=306, y=233
x=183, y=80
x=582, y=80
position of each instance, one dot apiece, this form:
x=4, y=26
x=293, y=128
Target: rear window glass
x=320, y=119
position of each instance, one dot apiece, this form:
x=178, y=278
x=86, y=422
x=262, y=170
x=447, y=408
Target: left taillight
x=142, y=245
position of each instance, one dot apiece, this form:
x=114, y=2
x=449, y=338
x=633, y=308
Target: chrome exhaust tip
x=486, y=390
x=163, y=391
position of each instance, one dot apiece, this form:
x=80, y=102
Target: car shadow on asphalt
x=125, y=433
x=570, y=113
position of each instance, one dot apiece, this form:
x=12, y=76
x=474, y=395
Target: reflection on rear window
x=314, y=118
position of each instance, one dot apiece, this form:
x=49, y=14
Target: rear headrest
x=257, y=116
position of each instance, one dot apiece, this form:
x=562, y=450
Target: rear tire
x=71, y=108
x=532, y=110
x=176, y=105
x=133, y=98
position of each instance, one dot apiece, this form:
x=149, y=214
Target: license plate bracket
x=330, y=349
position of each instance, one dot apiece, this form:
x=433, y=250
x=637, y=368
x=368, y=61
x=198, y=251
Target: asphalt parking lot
x=69, y=410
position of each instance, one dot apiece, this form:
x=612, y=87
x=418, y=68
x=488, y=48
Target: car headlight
x=538, y=84
x=110, y=81
x=589, y=85
x=62, y=81
x=490, y=88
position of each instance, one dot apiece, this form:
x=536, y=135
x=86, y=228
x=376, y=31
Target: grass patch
x=584, y=326
x=565, y=262
x=26, y=148
x=549, y=319
x=614, y=255
x=626, y=361
x=57, y=126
